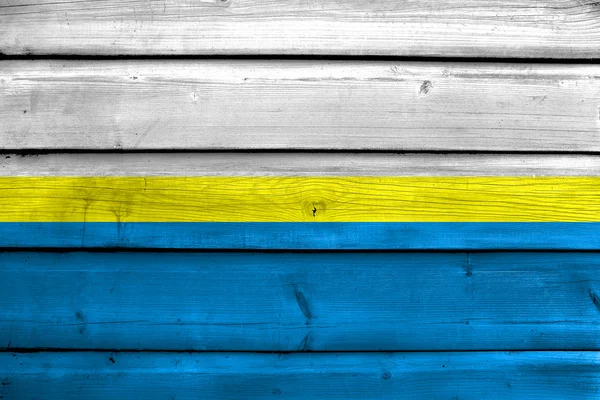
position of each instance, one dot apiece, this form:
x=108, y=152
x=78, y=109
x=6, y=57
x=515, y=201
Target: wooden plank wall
x=445, y=28
x=243, y=199
x=311, y=105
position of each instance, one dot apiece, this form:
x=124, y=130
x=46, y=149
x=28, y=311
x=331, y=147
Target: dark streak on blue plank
x=348, y=376
x=305, y=236
x=300, y=301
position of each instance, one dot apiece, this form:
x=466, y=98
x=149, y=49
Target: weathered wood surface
x=193, y=105
x=213, y=199
x=96, y=200
x=303, y=235
x=298, y=164
x=183, y=376
x=449, y=28
x=300, y=302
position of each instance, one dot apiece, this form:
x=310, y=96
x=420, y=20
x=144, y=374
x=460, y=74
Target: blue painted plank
x=305, y=236
x=300, y=301
x=347, y=376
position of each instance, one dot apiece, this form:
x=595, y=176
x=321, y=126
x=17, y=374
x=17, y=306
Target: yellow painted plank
x=299, y=199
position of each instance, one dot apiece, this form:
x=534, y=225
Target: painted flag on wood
x=300, y=211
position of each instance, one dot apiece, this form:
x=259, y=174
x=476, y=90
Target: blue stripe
x=305, y=236
x=310, y=301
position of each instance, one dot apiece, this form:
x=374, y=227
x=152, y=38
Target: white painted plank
x=482, y=28
x=203, y=105
x=297, y=164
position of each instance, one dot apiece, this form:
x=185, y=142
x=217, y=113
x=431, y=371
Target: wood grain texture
x=484, y=28
x=203, y=105
x=298, y=164
x=300, y=199
x=300, y=301
x=303, y=235
x=69, y=376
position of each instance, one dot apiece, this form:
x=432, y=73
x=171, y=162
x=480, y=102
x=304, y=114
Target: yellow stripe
x=298, y=199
